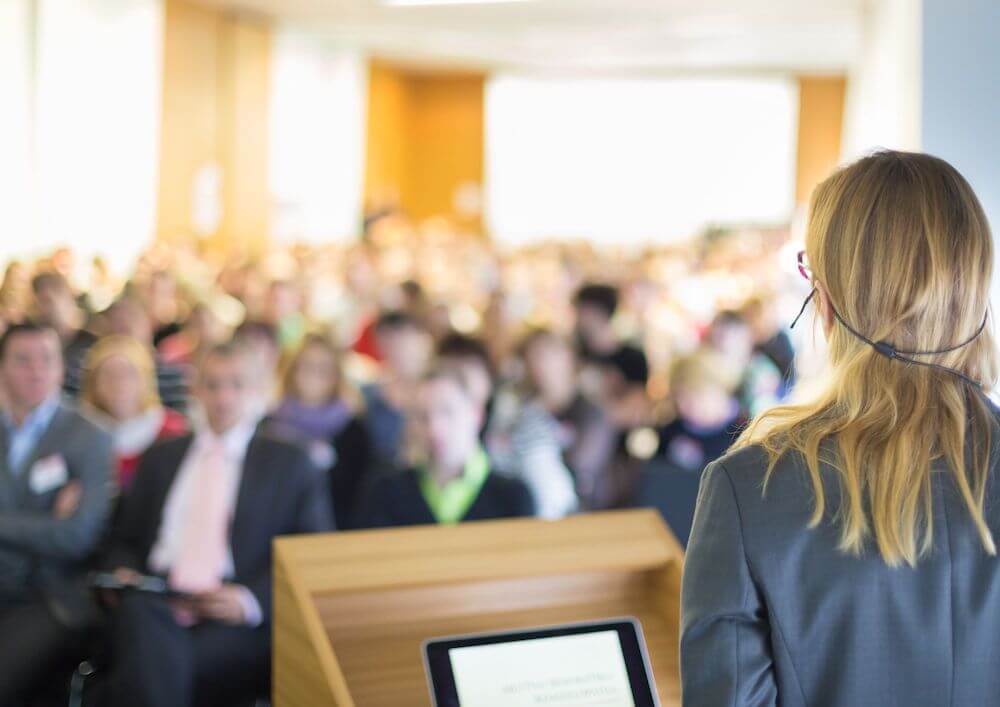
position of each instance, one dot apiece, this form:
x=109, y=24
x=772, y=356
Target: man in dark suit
x=54, y=469
x=202, y=513
x=454, y=481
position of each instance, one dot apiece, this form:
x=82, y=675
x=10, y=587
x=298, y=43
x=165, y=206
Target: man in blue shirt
x=54, y=468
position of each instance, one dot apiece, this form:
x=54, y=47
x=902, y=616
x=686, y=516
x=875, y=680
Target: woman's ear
x=824, y=308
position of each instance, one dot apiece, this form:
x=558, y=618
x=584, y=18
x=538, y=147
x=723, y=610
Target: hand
x=68, y=500
x=225, y=604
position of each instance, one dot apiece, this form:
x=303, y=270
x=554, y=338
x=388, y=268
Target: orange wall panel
x=425, y=139
x=821, y=119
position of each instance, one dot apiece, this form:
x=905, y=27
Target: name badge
x=48, y=474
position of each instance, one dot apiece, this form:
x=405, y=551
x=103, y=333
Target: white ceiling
x=650, y=36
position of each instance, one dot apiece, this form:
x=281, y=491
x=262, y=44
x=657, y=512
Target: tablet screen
x=597, y=665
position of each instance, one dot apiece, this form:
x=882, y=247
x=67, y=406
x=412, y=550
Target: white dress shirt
x=178, y=504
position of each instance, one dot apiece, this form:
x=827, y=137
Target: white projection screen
x=631, y=161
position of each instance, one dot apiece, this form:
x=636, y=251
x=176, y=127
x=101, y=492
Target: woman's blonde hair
x=901, y=246
x=133, y=352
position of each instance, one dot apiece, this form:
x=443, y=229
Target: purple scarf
x=321, y=423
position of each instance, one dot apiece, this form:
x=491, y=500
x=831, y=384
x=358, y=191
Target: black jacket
x=396, y=500
x=280, y=493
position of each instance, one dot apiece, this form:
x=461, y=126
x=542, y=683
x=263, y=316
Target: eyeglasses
x=804, y=270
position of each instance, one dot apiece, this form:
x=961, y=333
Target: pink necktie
x=200, y=560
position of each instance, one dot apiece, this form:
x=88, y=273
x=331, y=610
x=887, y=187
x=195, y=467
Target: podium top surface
x=624, y=540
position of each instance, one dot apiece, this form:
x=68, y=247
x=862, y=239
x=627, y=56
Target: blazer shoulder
x=280, y=452
x=750, y=461
x=788, y=489
x=277, y=443
x=79, y=423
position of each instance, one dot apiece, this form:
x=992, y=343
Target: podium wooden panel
x=352, y=609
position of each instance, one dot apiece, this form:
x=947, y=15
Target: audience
x=287, y=430
x=127, y=317
x=162, y=305
x=708, y=420
x=317, y=409
x=53, y=504
x=452, y=479
x=598, y=342
x=519, y=435
x=119, y=389
x=404, y=347
x=760, y=384
x=283, y=311
x=260, y=340
x=201, y=330
x=55, y=305
x=202, y=512
x=586, y=434
x=770, y=339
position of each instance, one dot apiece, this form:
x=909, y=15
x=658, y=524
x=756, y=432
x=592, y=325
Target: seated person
x=202, y=512
x=708, y=421
x=703, y=387
x=404, y=348
x=56, y=306
x=201, y=329
x=127, y=317
x=452, y=481
x=761, y=385
x=586, y=434
x=53, y=507
x=520, y=436
x=119, y=388
x=316, y=409
x=260, y=340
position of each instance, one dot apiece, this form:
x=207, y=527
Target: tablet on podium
x=354, y=610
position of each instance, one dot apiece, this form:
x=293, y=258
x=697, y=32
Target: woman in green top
x=452, y=481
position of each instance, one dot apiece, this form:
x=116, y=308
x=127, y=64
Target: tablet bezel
x=441, y=679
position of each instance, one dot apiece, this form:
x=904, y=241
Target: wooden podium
x=352, y=609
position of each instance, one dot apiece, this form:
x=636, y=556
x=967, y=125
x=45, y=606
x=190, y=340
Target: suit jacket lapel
x=7, y=480
x=251, y=501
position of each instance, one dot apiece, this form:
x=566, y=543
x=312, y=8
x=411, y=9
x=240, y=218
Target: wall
x=961, y=95
x=216, y=71
x=883, y=87
x=821, y=118
x=446, y=141
x=425, y=139
x=388, y=118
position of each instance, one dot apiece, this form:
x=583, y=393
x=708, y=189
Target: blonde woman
x=119, y=386
x=844, y=553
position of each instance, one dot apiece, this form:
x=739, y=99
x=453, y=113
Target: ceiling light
x=415, y=3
